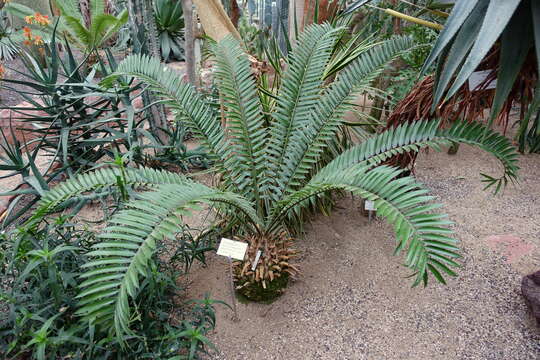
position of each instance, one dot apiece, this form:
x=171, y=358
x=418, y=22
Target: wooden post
x=189, y=50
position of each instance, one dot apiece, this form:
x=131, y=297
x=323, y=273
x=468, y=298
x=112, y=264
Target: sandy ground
x=352, y=300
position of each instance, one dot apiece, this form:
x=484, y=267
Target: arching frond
x=129, y=241
x=79, y=33
x=404, y=203
x=245, y=123
x=105, y=26
x=490, y=141
x=326, y=117
x=101, y=178
x=420, y=134
x=300, y=89
x=180, y=97
x=99, y=27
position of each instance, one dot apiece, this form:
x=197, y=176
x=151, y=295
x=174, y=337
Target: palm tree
x=270, y=169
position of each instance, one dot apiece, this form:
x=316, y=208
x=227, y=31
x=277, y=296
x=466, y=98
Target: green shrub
x=41, y=272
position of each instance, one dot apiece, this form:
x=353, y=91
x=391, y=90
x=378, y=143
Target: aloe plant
x=270, y=170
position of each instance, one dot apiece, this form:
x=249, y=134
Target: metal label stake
x=232, y=249
x=233, y=297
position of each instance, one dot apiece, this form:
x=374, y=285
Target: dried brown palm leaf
x=466, y=103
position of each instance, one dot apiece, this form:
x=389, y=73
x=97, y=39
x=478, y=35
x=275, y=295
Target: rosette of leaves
x=270, y=171
x=170, y=26
x=92, y=28
x=510, y=29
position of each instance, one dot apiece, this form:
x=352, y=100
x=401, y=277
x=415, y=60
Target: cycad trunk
x=264, y=277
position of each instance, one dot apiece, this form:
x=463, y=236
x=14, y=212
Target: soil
x=353, y=300
x=7, y=97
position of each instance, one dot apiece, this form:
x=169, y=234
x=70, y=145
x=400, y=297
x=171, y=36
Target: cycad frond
x=327, y=115
x=420, y=134
x=180, y=97
x=77, y=31
x=128, y=243
x=245, y=123
x=98, y=28
x=300, y=89
x=404, y=204
x=97, y=7
x=104, y=26
x=101, y=178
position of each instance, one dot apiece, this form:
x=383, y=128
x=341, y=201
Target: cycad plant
x=270, y=170
x=89, y=23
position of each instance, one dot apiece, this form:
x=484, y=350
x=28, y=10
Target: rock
x=530, y=288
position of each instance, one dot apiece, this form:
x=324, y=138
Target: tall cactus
x=144, y=35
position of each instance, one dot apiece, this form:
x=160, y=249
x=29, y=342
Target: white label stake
x=254, y=265
x=370, y=207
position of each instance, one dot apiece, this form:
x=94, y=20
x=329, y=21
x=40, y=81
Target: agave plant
x=472, y=31
x=270, y=170
x=170, y=24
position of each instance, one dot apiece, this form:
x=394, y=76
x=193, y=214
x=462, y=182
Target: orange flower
x=27, y=42
x=27, y=33
x=2, y=71
x=38, y=40
x=29, y=19
x=42, y=19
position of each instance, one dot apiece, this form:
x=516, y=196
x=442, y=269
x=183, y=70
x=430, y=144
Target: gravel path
x=352, y=300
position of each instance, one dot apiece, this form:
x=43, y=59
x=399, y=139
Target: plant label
x=369, y=205
x=232, y=249
x=257, y=257
x=478, y=77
